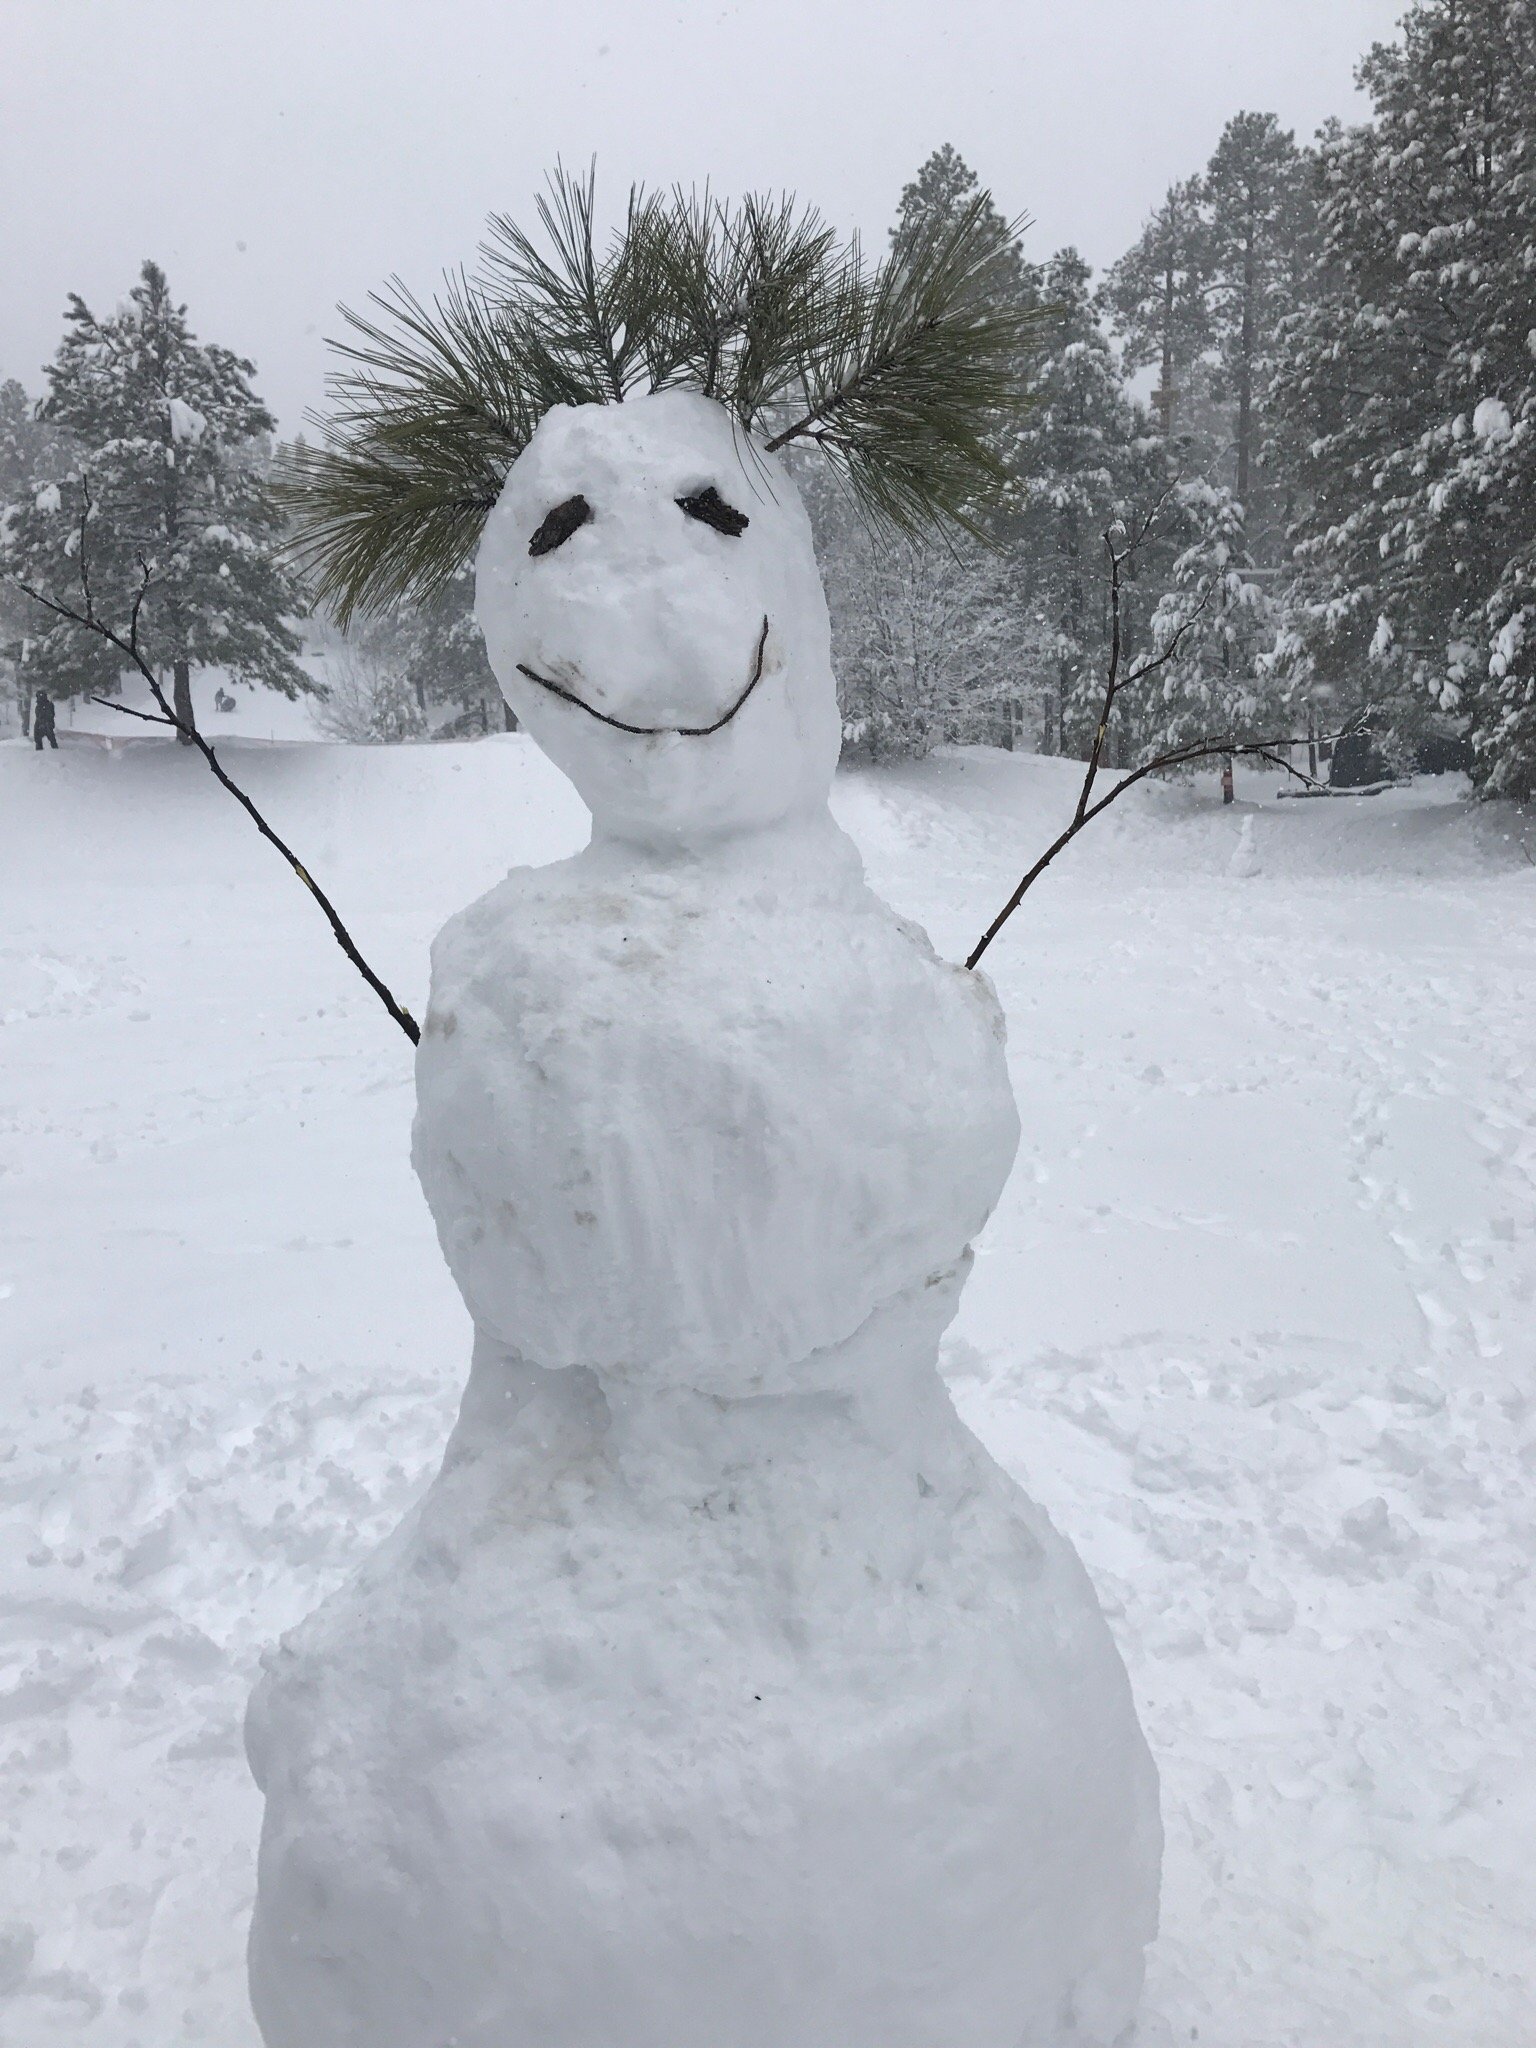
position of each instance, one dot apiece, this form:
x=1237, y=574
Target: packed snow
x=1491, y=420
x=187, y=423
x=1253, y=1322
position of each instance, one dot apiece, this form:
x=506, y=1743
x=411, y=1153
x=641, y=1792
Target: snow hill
x=1253, y=1321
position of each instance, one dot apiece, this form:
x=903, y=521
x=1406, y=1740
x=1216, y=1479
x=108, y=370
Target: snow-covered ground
x=1255, y=1320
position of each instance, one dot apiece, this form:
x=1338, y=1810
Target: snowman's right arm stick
x=90, y=621
x=1176, y=757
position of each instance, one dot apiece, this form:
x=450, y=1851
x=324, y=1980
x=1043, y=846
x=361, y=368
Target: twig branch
x=1176, y=757
x=89, y=622
x=1115, y=683
x=127, y=711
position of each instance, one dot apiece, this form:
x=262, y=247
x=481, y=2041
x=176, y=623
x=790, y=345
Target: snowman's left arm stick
x=89, y=622
x=1176, y=757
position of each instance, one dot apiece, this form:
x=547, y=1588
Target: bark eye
x=712, y=509
x=557, y=526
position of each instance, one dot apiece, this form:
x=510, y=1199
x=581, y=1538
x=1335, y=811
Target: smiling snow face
x=648, y=566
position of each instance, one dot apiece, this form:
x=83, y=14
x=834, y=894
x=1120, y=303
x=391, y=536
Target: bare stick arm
x=1178, y=757
x=1115, y=682
x=88, y=621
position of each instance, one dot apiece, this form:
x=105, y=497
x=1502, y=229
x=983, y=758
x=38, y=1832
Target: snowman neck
x=804, y=847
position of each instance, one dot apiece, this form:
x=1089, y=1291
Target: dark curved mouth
x=687, y=732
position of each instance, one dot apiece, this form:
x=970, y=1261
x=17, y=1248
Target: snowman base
x=674, y=1721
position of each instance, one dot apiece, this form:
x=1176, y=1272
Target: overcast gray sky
x=278, y=155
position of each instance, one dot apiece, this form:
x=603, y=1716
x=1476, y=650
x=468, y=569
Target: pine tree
x=1260, y=241
x=1157, y=297
x=444, y=658
x=1080, y=457
x=1409, y=391
x=1202, y=294
x=926, y=636
x=941, y=192
x=22, y=442
x=368, y=699
x=163, y=453
x=24, y=450
x=922, y=634
x=1219, y=682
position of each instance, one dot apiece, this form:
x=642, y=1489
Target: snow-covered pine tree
x=1080, y=456
x=928, y=641
x=942, y=189
x=923, y=635
x=1409, y=392
x=368, y=700
x=1258, y=198
x=1157, y=299
x=445, y=659
x=1202, y=293
x=24, y=443
x=1218, y=683
x=437, y=647
x=163, y=454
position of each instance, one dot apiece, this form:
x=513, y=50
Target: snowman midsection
x=698, y=1134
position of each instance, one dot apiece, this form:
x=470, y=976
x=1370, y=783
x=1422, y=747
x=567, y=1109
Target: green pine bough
x=894, y=373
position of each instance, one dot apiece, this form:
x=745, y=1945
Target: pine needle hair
x=895, y=373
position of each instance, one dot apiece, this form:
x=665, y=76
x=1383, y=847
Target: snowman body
x=721, y=1692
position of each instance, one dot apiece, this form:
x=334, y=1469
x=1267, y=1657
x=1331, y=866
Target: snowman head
x=650, y=602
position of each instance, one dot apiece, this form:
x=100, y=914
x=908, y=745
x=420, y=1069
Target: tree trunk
x=1163, y=396
x=1246, y=348
x=181, y=699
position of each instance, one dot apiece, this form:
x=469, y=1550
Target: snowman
x=721, y=1691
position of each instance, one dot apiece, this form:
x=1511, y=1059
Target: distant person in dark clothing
x=42, y=722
